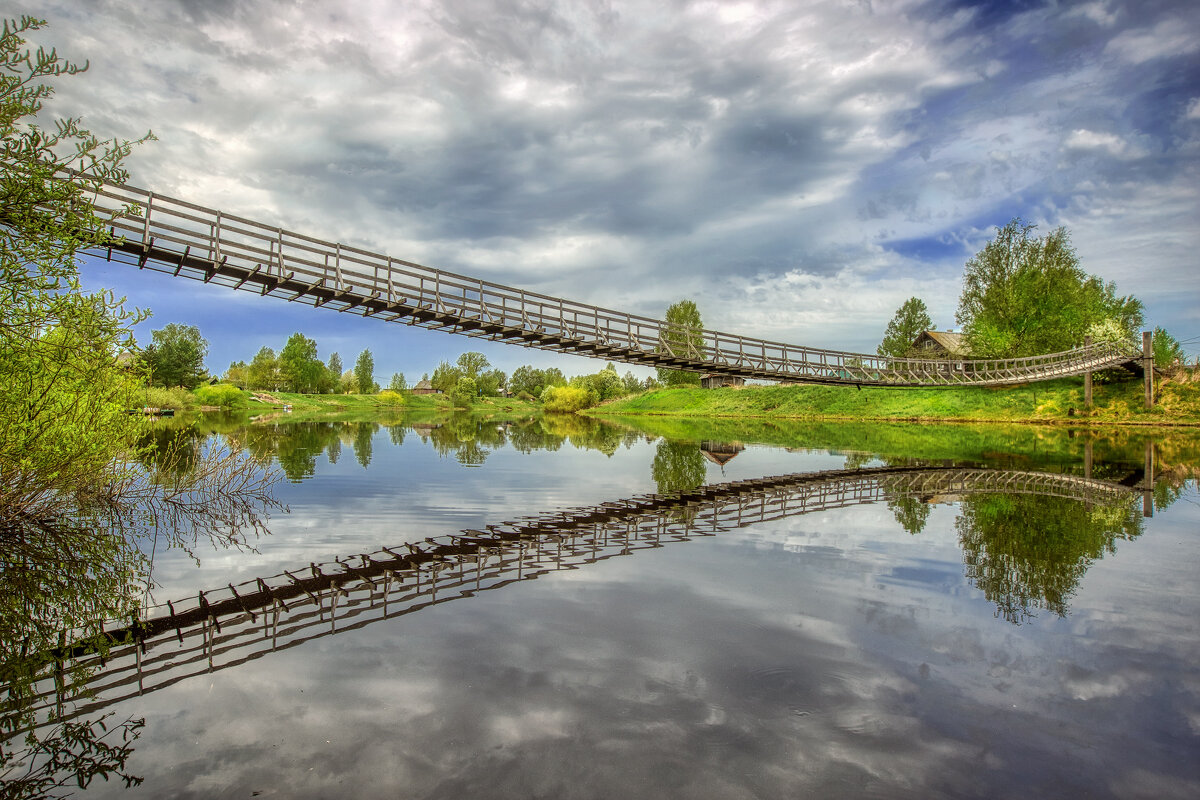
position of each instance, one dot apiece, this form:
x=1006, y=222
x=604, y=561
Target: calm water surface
x=859, y=637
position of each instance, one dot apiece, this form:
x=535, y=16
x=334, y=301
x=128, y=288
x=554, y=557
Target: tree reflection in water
x=677, y=466
x=63, y=576
x=1026, y=552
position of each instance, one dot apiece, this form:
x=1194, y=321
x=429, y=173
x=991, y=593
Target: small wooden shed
x=423, y=387
x=715, y=381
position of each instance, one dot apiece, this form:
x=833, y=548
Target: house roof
x=423, y=384
x=951, y=342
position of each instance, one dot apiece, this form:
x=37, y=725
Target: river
x=466, y=607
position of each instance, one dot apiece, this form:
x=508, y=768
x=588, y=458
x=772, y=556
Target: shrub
x=225, y=395
x=568, y=399
x=389, y=398
x=159, y=397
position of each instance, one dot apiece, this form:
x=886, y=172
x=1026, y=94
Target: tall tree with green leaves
x=1166, y=348
x=364, y=373
x=263, y=371
x=176, y=356
x=299, y=366
x=683, y=337
x=472, y=364
x=1025, y=295
x=398, y=383
x=909, y=322
x=64, y=395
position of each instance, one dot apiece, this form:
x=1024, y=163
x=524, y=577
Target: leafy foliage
x=264, y=372
x=1024, y=295
x=176, y=356
x=299, y=366
x=605, y=384
x=1167, y=349
x=464, y=392
x=910, y=320
x=364, y=373
x=567, y=399
x=682, y=336
x=531, y=381
x=388, y=397
x=222, y=394
x=397, y=383
x=66, y=388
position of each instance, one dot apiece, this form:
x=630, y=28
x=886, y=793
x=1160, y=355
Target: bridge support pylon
x=1087, y=381
x=1148, y=366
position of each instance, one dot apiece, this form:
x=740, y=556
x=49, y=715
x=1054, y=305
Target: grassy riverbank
x=361, y=407
x=1052, y=402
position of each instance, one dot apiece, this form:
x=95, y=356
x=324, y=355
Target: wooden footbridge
x=188, y=240
x=235, y=624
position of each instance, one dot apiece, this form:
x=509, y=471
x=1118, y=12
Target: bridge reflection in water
x=232, y=625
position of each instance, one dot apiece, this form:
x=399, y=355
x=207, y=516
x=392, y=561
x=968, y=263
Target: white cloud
x=1167, y=38
x=1092, y=140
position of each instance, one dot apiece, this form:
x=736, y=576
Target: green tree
x=64, y=393
x=682, y=336
x=1167, y=349
x=364, y=373
x=263, y=371
x=463, y=393
x=471, y=364
x=632, y=382
x=605, y=384
x=1025, y=295
x=491, y=383
x=176, y=356
x=445, y=377
x=299, y=366
x=398, y=384
x=335, y=366
x=910, y=320
x=237, y=374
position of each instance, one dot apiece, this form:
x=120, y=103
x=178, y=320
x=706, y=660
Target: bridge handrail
x=286, y=254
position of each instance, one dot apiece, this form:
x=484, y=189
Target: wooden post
x=1148, y=366
x=1087, y=380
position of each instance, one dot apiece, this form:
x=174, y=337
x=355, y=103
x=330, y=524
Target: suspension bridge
x=232, y=625
x=188, y=240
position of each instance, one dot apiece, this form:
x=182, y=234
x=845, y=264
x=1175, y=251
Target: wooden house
x=940, y=344
x=423, y=387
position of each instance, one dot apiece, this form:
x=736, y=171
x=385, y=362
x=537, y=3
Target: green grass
x=1051, y=402
x=366, y=407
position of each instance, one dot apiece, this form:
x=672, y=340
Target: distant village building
x=423, y=387
x=715, y=381
x=941, y=344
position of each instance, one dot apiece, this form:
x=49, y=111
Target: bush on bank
x=567, y=399
x=224, y=395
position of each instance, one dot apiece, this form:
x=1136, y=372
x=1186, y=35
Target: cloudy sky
x=797, y=168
